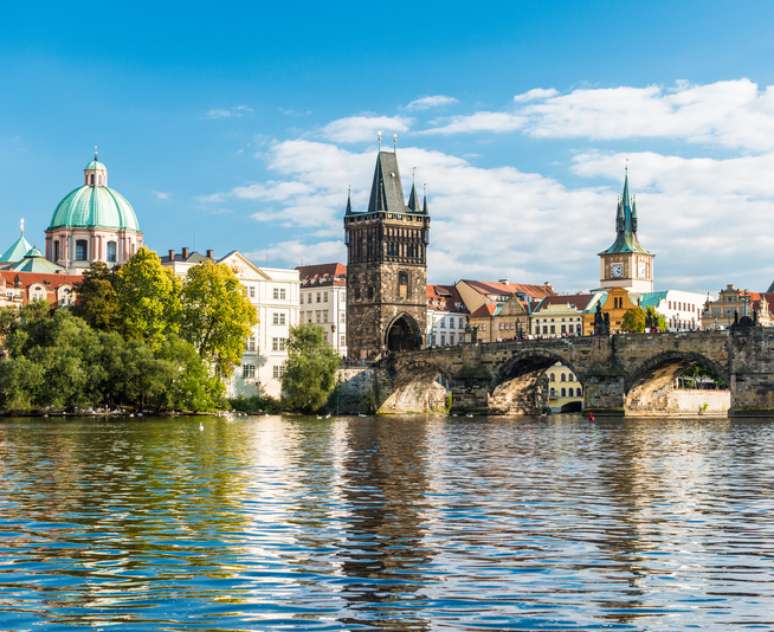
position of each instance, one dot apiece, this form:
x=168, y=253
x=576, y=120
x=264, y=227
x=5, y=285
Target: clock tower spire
x=626, y=263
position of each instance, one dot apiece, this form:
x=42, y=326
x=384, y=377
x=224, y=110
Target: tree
x=97, y=300
x=310, y=372
x=634, y=321
x=658, y=318
x=216, y=316
x=148, y=299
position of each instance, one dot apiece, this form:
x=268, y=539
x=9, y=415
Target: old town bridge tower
x=386, y=266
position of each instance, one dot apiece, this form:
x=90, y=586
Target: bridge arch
x=650, y=386
x=420, y=387
x=402, y=334
x=518, y=388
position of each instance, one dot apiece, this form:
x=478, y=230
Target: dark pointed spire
x=413, y=203
x=424, y=199
x=349, y=201
x=386, y=189
x=626, y=223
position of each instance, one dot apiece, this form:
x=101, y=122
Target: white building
x=447, y=316
x=324, y=301
x=275, y=294
x=682, y=310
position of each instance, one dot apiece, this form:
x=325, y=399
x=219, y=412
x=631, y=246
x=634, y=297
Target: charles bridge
x=621, y=374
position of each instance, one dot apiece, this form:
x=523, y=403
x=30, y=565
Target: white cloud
x=535, y=94
x=234, y=111
x=433, y=101
x=162, y=195
x=497, y=122
x=707, y=220
x=734, y=114
x=296, y=253
x=356, y=129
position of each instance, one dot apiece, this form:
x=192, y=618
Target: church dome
x=95, y=204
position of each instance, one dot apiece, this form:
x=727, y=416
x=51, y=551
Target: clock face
x=642, y=268
x=616, y=270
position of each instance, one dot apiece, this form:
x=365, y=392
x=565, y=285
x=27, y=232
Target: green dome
x=95, y=164
x=94, y=207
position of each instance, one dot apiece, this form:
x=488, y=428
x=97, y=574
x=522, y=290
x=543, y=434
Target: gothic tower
x=386, y=266
x=626, y=263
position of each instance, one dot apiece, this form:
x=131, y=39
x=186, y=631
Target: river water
x=388, y=523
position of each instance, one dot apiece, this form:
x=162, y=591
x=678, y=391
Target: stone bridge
x=621, y=374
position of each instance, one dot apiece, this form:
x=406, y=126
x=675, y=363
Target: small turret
x=413, y=203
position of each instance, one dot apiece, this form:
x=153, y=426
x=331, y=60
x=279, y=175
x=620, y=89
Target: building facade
x=386, y=267
x=565, y=392
x=681, y=310
x=733, y=304
x=562, y=315
x=626, y=264
x=275, y=294
x=323, y=296
x=447, y=316
x=92, y=223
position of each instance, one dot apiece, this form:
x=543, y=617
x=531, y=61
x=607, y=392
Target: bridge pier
x=604, y=393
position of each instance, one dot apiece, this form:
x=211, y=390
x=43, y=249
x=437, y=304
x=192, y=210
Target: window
x=403, y=285
x=443, y=340
x=279, y=294
x=251, y=291
x=251, y=344
x=318, y=297
x=552, y=377
x=553, y=393
x=579, y=392
x=56, y=250
x=342, y=341
x=278, y=318
x=278, y=344
x=112, y=252
x=248, y=371
x=451, y=339
x=564, y=392
x=325, y=297
x=81, y=250
x=563, y=377
x=392, y=249
x=277, y=371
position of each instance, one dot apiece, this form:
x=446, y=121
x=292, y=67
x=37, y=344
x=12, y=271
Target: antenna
x=394, y=142
x=379, y=139
x=413, y=174
x=21, y=225
x=96, y=152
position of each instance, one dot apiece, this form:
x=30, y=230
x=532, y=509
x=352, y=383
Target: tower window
x=403, y=284
x=81, y=250
x=112, y=252
x=56, y=250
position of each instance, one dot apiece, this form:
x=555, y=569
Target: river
x=386, y=523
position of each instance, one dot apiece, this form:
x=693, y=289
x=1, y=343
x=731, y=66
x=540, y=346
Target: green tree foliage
x=216, y=316
x=97, y=301
x=148, y=299
x=56, y=361
x=634, y=321
x=310, y=373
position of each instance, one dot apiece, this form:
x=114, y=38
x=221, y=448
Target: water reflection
x=411, y=524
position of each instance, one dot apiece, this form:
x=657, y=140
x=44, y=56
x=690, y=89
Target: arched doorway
x=678, y=384
x=522, y=385
x=403, y=334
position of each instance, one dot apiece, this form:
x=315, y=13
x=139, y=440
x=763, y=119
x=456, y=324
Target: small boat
x=591, y=417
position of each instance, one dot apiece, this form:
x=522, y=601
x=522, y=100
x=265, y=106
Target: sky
x=241, y=125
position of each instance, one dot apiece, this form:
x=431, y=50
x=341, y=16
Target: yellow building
x=615, y=303
x=565, y=392
x=736, y=303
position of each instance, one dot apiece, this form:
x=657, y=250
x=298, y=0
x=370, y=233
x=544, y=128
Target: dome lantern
x=95, y=172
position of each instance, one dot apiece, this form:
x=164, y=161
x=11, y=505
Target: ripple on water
x=411, y=524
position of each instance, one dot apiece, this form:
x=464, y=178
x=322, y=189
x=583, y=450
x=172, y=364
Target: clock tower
x=626, y=263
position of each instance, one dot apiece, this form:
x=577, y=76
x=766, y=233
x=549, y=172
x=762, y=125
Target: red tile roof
x=444, y=298
x=507, y=289
x=12, y=280
x=487, y=309
x=323, y=274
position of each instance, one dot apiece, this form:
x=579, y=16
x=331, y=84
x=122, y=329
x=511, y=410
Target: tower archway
x=403, y=334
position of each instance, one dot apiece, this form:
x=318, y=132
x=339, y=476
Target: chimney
x=185, y=252
x=171, y=255
x=210, y=253
x=503, y=281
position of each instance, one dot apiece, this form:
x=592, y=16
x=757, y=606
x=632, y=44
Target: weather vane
x=394, y=142
x=379, y=139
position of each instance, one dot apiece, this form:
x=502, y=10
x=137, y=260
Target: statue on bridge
x=601, y=323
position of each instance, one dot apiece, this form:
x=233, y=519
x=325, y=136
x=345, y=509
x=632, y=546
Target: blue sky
x=240, y=126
